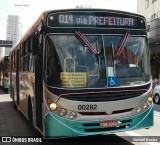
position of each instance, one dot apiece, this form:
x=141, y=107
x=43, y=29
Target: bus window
x=72, y=55
x=31, y=62
x=52, y=71
x=25, y=63
x=29, y=45
x=128, y=60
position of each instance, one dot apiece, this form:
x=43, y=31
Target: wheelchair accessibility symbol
x=112, y=81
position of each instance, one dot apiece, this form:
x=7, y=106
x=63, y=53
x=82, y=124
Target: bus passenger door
x=37, y=52
x=17, y=77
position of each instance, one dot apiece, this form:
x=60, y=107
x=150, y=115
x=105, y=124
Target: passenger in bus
x=53, y=72
x=109, y=55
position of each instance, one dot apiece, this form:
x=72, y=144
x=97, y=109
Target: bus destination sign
x=93, y=20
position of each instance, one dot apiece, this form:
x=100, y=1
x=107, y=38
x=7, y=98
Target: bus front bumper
x=58, y=127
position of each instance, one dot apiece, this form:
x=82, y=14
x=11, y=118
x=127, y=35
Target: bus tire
x=30, y=113
x=14, y=104
x=157, y=99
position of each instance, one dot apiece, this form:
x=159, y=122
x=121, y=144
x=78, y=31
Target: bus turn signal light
x=150, y=99
x=49, y=100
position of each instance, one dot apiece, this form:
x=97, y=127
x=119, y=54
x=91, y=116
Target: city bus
x=4, y=73
x=80, y=72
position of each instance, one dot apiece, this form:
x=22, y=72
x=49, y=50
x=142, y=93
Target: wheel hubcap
x=156, y=98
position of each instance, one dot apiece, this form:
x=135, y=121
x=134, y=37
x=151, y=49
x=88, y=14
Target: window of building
x=153, y=17
x=146, y=4
x=158, y=14
x=153, y=1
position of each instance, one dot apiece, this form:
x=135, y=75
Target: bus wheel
x=157, y=98
x=14, y=106
x=30, y=113
x=13, y=97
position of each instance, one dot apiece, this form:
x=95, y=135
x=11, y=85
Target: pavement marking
x=156, y=113
x=5, y=98
x=132, y=133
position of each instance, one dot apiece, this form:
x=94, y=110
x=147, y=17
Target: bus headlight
x=62, y=112
x=53, y=106
x=72, y=115
x=139, y=109
x=145, y=105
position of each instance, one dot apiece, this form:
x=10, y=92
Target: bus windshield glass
x=89, y=60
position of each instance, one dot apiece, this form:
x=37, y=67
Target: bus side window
x=29, y=45
x=31, y=57
x=52, y=66
x=31, y=62
x=21, y=59
x=14, y=61
x=34, y=43
x=25, y=56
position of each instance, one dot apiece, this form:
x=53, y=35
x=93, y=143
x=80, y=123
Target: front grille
x=104, y=113
x=108, y=96
x=92, y=113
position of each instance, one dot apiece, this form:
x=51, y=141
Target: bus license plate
x=109, y=123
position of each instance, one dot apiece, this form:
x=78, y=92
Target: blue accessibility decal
x=112, y=81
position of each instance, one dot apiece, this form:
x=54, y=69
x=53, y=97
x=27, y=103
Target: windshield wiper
x=119, y=50
x=86, y=42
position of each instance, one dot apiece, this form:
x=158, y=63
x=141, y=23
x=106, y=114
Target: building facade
x=14, y=30
x=2, y=52
x=151, y=10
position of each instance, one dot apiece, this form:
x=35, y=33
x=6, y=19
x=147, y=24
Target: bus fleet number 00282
x=87, y=107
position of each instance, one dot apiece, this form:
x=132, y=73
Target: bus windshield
x=71, y=63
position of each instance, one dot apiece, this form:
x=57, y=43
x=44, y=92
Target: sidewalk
x=12, y=122
x=5, y=98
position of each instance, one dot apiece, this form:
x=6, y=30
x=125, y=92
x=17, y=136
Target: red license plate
x=109, y=123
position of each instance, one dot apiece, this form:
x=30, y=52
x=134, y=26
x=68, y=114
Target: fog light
x=62, y=112
x=139, y=109
x=72, y=115
x=145, y=105
x=53, y=106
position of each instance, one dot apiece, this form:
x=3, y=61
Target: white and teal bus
x=4, y=73
x=79, y=72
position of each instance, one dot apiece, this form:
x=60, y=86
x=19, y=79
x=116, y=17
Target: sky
x=30, y=10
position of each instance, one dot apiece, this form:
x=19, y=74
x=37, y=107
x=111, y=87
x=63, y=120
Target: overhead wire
x=98, y=3
x=92, y=3
x=88, y=3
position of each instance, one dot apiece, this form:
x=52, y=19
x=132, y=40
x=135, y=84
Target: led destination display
x=99, y=19
x=95, y=20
